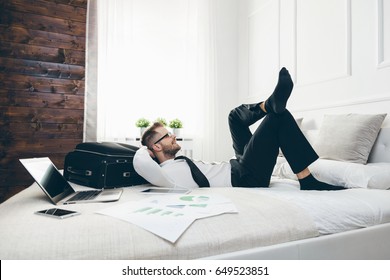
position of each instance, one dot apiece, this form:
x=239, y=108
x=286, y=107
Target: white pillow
x=283, y=170
x=352, y=175
x=380, y=180
x=345, y=174
x=311, y=135
x=348, y=137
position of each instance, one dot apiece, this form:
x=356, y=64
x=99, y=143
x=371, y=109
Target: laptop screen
x=47, y=176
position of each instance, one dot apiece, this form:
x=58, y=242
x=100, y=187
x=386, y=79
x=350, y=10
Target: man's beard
x=170, y=151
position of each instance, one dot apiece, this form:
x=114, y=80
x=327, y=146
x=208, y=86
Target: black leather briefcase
x=102, y=165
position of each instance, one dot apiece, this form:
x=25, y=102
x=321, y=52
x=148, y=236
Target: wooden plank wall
x=42, y=71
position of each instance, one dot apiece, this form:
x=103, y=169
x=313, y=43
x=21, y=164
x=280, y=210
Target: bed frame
x=362, y=244
x=368, y=243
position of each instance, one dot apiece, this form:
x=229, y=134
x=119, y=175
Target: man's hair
x=149, y=134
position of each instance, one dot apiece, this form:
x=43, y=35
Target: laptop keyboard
x=84, y=195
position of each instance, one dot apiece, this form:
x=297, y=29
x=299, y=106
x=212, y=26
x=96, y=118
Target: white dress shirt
x=177, y=173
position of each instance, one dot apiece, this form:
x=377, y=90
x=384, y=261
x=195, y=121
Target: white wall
x=338, y=52
x=227, y=73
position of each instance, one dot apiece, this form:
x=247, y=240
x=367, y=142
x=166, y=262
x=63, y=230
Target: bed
x=280, y=222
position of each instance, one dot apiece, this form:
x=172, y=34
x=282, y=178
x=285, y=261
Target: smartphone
x=57, y=213
x=165, y=191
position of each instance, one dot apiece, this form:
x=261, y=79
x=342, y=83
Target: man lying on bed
x=255, y=154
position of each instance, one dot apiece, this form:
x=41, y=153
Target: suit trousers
x=256, y=153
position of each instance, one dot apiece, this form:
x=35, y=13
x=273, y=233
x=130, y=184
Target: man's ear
x=156, y=148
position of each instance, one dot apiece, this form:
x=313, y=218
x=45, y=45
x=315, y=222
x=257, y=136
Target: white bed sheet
x=92, y=236
x=261, y=221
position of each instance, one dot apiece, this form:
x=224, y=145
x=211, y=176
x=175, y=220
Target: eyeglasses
x=166, y=135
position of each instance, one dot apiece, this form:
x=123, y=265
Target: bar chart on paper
x=195, y=198
x=169, y=216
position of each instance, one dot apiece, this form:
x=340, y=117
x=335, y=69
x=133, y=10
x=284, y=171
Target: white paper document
x=169, y=216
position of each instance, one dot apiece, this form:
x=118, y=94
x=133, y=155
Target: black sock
x=310, y=183
x=276, y=103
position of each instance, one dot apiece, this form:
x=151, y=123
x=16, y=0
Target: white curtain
x=156, y=59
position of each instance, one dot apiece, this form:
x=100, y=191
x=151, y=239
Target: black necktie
x=197, y=175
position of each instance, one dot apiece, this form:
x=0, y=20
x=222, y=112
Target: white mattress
x=266, y=216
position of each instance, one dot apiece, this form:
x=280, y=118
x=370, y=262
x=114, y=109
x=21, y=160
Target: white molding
x=348, y=66
x=295, y=77
x=349, y=103
x=382, y=63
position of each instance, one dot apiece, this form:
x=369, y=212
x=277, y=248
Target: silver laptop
x=58, y=189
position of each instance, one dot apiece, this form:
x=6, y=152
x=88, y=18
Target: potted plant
x=142, y=123
x=176, y=126
x=162, y=121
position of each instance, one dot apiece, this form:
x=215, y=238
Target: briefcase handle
x=79, y=172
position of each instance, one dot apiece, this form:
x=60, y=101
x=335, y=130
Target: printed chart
x=168, y=216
